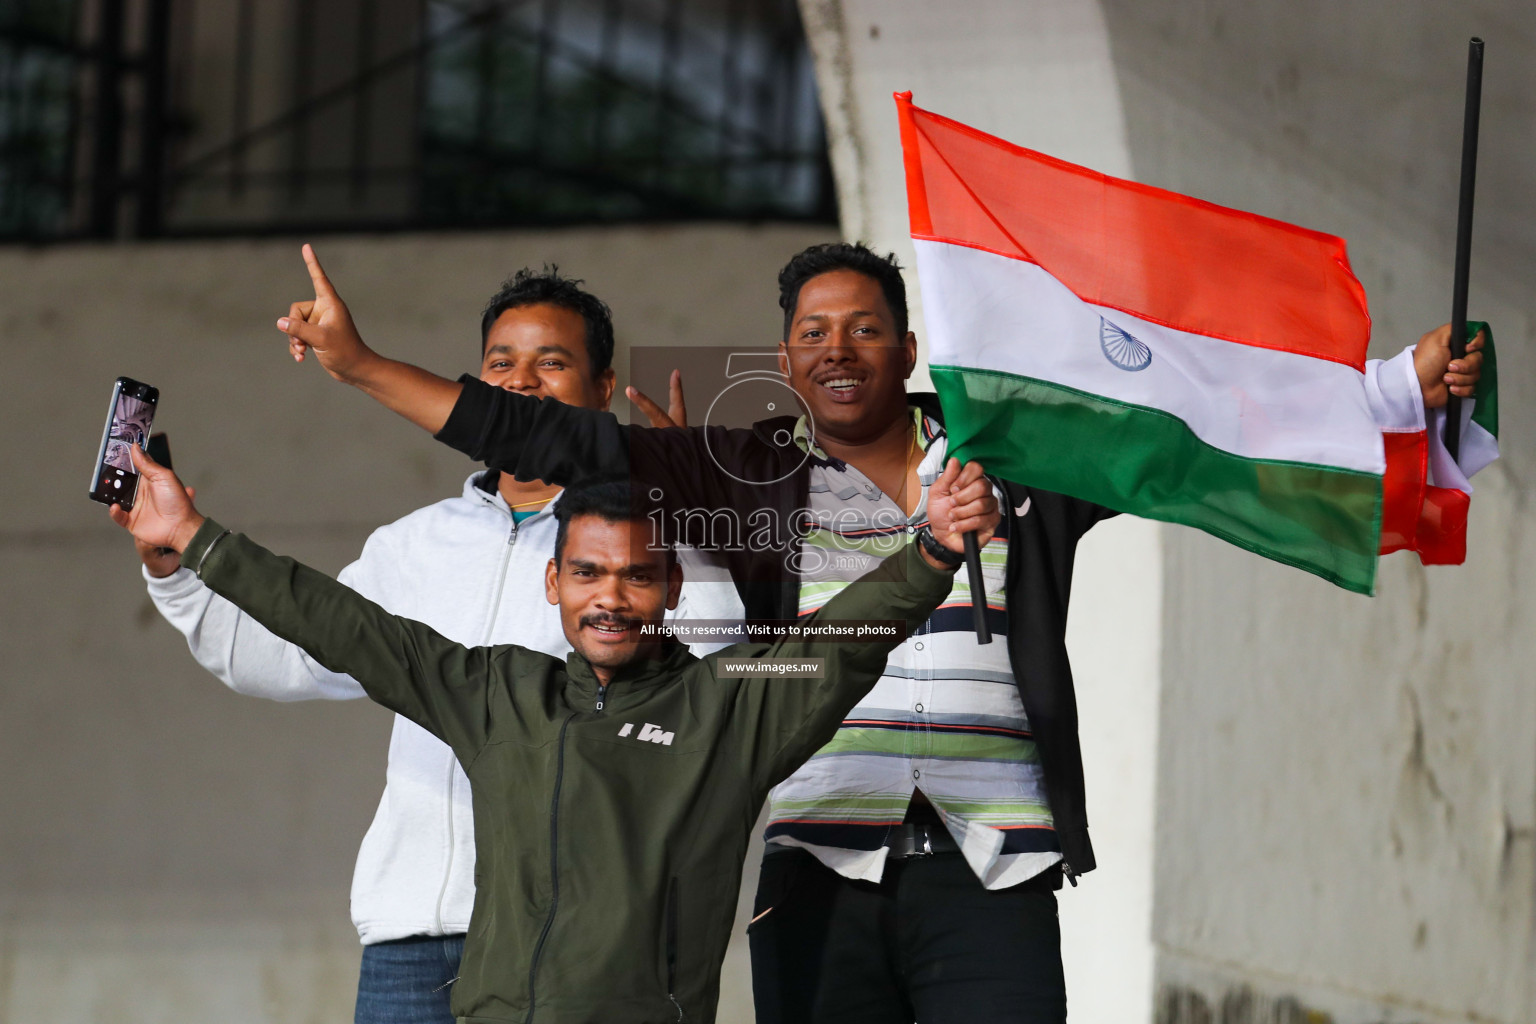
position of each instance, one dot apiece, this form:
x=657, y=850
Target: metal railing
x=147, y=118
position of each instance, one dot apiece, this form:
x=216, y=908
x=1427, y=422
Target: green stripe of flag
x=1150, y=463
x=1486, y=412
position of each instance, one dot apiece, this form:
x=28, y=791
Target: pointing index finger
x=317, y=273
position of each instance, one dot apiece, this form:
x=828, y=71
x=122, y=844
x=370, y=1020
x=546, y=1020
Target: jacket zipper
x=671, y=944
x=554, y=867
x=602, y=690
x=501, y=581
x=490, y=626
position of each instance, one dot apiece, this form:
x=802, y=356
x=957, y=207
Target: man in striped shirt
x=912, y=861
x=944, y=728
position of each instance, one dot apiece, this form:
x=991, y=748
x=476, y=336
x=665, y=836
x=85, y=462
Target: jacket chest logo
x=648, y=733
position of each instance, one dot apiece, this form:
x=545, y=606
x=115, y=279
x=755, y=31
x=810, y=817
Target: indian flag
x=1154, y=353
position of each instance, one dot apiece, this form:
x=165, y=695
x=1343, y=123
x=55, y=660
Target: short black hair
x=820, y=259
x=612, y=501
x=531, y=288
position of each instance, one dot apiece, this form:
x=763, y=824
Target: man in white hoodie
x=471, y=567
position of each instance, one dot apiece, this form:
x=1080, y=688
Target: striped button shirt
x=945, y=716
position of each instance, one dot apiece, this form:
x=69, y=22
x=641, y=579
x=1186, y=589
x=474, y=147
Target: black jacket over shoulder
x=760, y=474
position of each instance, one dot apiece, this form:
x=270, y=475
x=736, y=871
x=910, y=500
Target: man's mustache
x=609, y=621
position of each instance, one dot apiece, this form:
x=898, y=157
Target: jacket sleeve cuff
x=204, y=542
x=924, y=576
x=465, y=428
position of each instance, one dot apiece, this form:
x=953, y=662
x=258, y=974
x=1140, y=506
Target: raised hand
x=162, y=515
x=1439, y=375
x=676, y=414
x=324, y=326
x=159, y=561
x=959, y=501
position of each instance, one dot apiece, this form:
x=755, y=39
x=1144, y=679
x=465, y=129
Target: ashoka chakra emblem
x=1123, y=349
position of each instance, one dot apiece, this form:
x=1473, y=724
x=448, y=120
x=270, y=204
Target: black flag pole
x=978, y=588
x=1464, y=233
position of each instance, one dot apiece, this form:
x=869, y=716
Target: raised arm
x=529, y=438
x=796, y=717
x=324, y=326
x=239, y=651
x=242, y=653
x=403, y=665
x=536, y=439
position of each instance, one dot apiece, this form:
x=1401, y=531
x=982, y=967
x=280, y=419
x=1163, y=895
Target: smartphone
x=114, y=480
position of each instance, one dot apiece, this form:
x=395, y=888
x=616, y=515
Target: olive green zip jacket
x=610, y=823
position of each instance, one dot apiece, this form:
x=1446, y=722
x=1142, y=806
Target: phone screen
x=128, y=421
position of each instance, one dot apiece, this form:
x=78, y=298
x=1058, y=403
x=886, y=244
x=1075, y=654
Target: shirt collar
x=928, y=430
x=486, y=486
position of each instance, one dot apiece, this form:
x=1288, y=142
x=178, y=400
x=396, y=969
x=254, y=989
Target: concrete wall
x=1308, y=805
x=1347, y=787
x=169, y=850
x=1038, y=72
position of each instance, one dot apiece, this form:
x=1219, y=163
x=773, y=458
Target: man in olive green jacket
x=614, y=792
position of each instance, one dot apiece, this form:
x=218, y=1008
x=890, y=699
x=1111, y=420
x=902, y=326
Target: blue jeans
x=408, y=981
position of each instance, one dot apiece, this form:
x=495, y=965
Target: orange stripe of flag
x=1168, y=258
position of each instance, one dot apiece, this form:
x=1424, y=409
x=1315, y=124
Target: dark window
x=38, y=123
x=225, y=117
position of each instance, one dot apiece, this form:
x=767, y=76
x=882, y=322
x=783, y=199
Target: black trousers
x=926, y=944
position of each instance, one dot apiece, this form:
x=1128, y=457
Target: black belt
x=920, y=839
